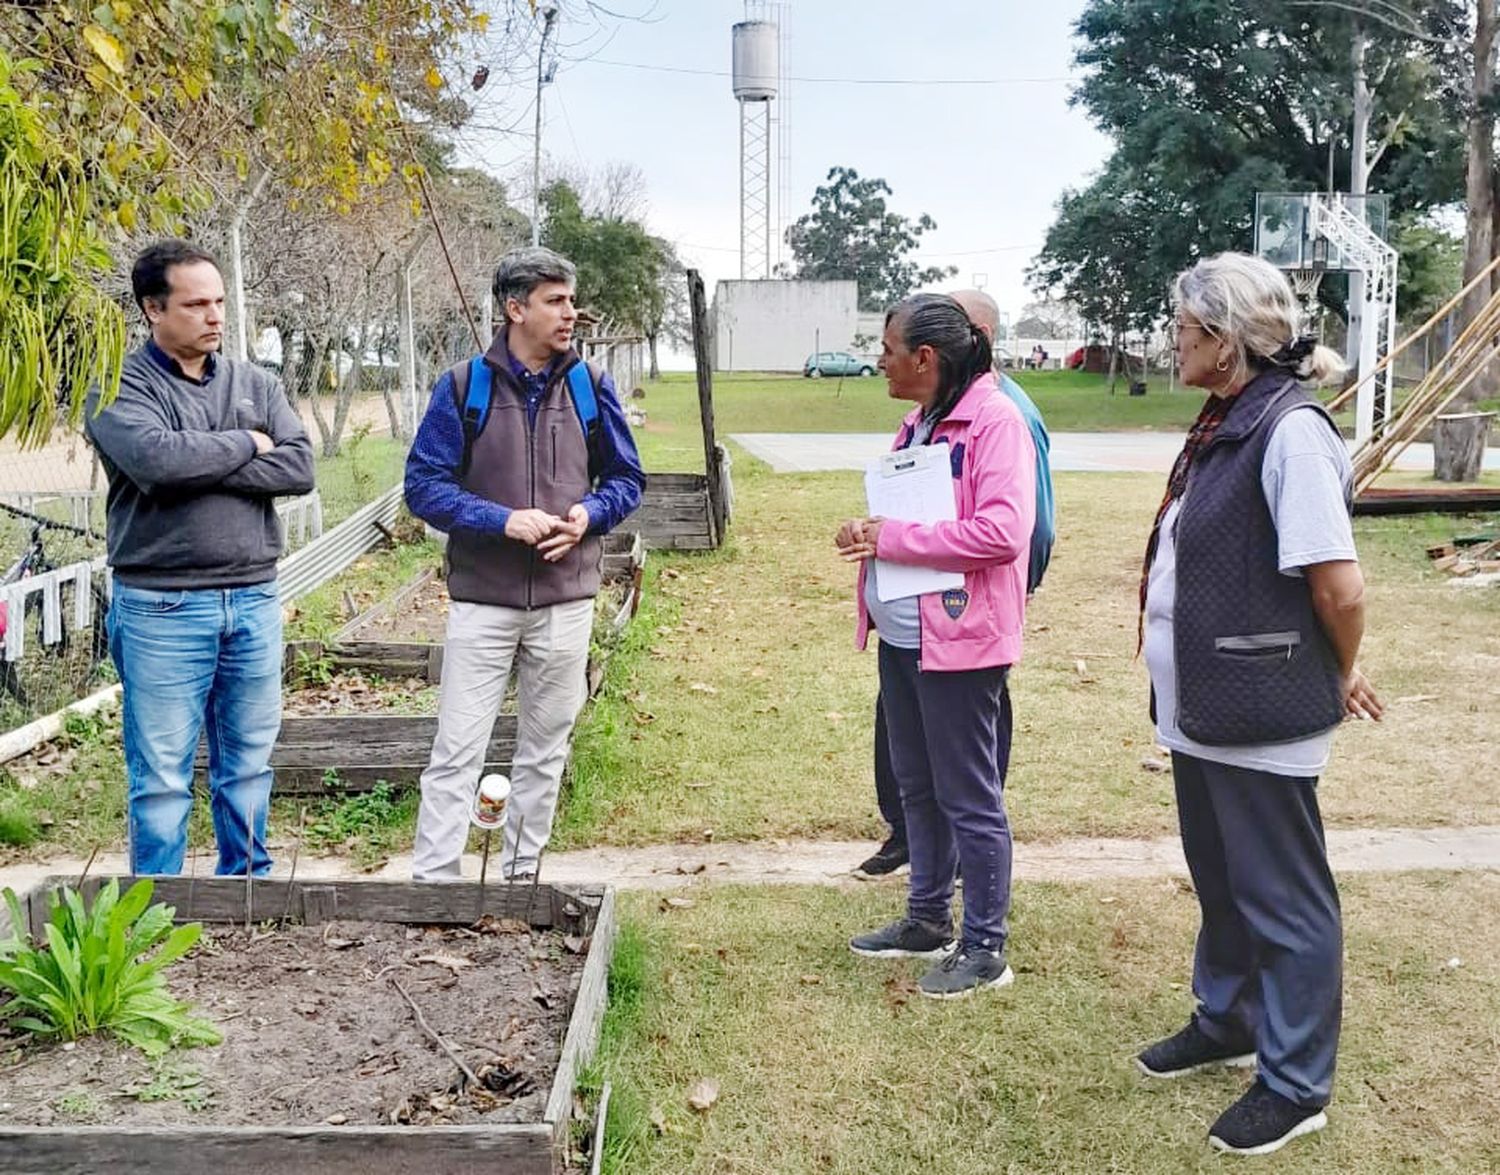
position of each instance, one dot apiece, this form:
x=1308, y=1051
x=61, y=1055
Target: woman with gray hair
x=1252, y=611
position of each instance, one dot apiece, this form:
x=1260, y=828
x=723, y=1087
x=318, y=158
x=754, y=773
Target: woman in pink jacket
x=944, y=656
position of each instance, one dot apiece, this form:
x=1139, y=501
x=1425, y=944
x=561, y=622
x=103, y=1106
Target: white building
x=774, y=325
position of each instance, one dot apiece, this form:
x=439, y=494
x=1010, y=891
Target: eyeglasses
x=1179, y=327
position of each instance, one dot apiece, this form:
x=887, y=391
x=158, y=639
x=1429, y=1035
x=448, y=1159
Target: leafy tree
x=57, y=330
x=1432, y=264
x=619, y=263
x=1210, y=101
x=150, y=113
x=851, y=234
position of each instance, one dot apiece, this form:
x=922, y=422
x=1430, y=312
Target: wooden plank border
x=533, y=1148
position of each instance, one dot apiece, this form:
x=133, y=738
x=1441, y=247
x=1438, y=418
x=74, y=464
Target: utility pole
x=543, y=76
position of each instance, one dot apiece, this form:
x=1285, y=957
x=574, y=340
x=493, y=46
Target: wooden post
x=706, y=403
x=1458, y=444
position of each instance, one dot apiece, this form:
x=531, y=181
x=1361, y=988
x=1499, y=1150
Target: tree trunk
x=1359, y=184
x=320, y=364
x=1458, y=444
x=1114, y=362
x=655, y=370
x=1480, y=233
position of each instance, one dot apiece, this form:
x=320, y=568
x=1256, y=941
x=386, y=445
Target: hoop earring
x=1222, y=366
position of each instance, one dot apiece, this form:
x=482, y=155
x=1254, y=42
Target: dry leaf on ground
x=703, y=1095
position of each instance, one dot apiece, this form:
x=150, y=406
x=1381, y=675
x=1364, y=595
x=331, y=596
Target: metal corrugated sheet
x=324, y=557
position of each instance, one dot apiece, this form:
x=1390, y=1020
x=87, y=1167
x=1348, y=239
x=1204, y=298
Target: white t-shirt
x=1305, y=474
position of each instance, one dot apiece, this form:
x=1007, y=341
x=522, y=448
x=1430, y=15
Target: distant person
x=944, y=656
x=1252, y=606
x=892, y=854
x=196, y=448
x=1037, y=356
x=524, y=485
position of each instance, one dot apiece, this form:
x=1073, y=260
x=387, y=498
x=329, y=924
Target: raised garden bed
x=325, y=1064
x=676, y=513
x=402, y=636
x=370, y=715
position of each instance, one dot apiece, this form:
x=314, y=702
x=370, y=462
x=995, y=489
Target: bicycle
x=35, y=561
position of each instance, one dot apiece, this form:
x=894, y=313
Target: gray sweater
x=190, y=504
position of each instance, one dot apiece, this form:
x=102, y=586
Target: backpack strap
x=477, y=389
x=476, y=410
x=585, y=401
x=582, y=377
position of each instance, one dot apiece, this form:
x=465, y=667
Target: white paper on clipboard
x=913, y=485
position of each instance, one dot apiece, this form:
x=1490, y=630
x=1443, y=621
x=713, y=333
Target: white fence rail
x=80, y=503
x=48, y=585
x=301, y=520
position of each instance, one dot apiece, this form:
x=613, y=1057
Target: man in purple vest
x=524, y=495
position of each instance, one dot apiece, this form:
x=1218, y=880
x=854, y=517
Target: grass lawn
x=739, y=709
x=750, y=716
x=833, y=1064
x=1069, y=401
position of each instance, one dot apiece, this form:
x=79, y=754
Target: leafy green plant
x=167, y=1084
x=101, y=970
x=366, y=826
x=17, y=826
x=312, y=669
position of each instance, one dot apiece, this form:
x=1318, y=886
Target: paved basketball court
x=1072, y=452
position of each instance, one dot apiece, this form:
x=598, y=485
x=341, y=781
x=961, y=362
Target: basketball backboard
x=1284, y=236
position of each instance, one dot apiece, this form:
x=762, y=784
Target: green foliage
x=170, y=1083
x=97, y=971
x=621, y=267
x=367, y=826
x=18, y=827
x=1432, y=266
x=851, y=235
x=58, y=331
x=1195, y=139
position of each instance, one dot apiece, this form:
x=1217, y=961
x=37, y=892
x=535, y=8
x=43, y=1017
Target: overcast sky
x=986, y=161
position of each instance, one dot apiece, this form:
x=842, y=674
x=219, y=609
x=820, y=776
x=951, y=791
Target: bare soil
x=316, y=1032
x=423, y=617
x=353, y=693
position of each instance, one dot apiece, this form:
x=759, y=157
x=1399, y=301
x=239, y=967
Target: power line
x=919, y=256
x=716, y=73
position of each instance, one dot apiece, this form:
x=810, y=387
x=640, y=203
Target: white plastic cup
x=490, y=799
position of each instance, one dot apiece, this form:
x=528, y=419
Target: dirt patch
x=352, y=692
x=315, y=1031
x=423, y=616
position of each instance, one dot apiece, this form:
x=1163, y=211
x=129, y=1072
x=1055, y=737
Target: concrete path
x=829, y=862
x=1072, y=452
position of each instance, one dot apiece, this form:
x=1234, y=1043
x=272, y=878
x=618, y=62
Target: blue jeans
x=183, y=657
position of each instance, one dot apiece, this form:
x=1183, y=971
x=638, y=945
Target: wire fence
x=54, y=582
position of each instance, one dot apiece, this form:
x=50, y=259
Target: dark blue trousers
x=887, y=790
x=1268, y=969
x=949, y=740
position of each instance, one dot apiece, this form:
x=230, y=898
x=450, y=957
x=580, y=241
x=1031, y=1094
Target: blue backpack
x=476, y=410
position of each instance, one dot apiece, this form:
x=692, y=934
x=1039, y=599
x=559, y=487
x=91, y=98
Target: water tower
x=755, y=76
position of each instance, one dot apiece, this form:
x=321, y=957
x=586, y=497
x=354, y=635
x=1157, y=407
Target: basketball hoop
x=1306, y=282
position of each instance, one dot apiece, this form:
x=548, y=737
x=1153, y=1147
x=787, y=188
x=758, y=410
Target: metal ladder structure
x=1363, y=250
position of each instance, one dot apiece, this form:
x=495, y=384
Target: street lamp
x=544, y=74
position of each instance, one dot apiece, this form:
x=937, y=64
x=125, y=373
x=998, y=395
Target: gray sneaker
x=964, y=972
x=906, y=939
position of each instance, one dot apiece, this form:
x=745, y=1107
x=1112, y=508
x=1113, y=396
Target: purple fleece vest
x=517, y=465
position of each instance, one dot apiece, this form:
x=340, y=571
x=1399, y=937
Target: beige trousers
x=550, y=648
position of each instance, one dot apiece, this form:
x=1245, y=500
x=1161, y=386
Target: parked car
x=836, y=363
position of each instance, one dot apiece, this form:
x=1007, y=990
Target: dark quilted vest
x=546, y=467
x=1253, y=663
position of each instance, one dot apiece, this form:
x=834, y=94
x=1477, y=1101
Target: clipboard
x=913, y=485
